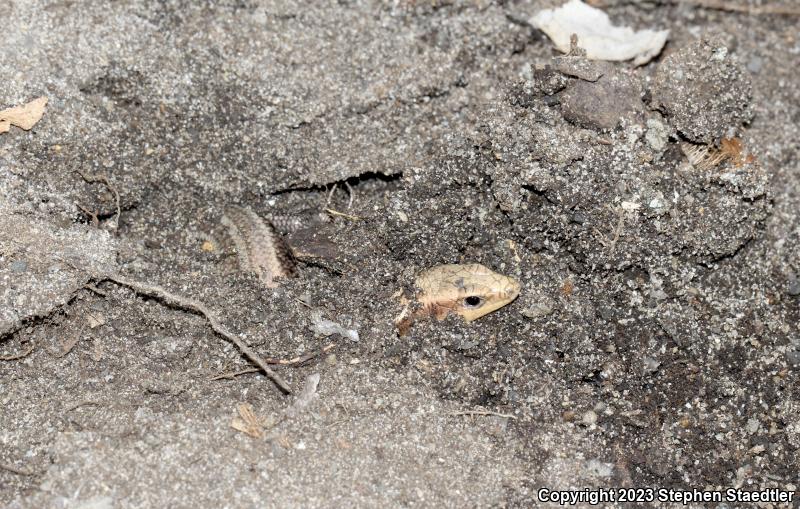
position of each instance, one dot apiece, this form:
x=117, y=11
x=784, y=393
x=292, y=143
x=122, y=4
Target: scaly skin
x=260, y=248
x=469, y=290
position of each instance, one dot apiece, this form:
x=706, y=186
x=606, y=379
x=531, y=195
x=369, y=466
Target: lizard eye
x=473, y=301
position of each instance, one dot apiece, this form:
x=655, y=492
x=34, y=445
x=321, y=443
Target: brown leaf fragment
x=731, y=150
x=248, y=422
x=24, y=117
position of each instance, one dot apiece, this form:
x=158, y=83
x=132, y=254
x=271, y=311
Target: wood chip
x=24, y=117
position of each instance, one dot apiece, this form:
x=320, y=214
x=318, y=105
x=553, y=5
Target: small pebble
x=589, y=418
x=466, y=345
x=755, y=64
x=794, y=286
x=651, y=365
x=18, y=266
x=537, y=310
x=551, y=100
x=793, y=358
x=599, y=469
x=605, y=312
x=657, y=134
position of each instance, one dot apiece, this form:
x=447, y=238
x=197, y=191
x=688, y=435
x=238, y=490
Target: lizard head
x=470, y=290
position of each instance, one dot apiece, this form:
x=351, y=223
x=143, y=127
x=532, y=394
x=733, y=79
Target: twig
x=19, y=355
x=330, y=195
x=617, y=231
x=92, y=215
x=79, y=404
x=200, y=308
x=103, y=179
x=483, y=412
x=342, y=214
x=301, y=358
x=722, y=5
x=283, y=362
x=303, y=303
x=230, y=375
x=96, y=290
x=16, y=470
x=351, y=193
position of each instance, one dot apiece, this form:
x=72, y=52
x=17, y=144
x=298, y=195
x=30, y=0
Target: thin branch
x=19, y=355
x=482, y=412
x=95, y=289
x=301, y=358
x=303, y=303
x=90, y=214
x=330, y=195
x=723, y=5
x=230, y=375
x=283, y=362
x=342, y=214
x=617, y=231
x=16, y=470
x=351, y=193
x=79, y=404
x=200, y=308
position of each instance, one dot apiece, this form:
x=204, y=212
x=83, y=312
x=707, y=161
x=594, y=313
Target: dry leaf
x=24, y=117
x=69, y=344
x=596, y=34
x=95, y=321
x=284, y=441
x=248, y=422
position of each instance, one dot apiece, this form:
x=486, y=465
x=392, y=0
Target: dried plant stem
x=739, y=6
x=16, y=470
x=200, y=308
x=283, y=362
x=483, y=412
x=19, y=355
x=342, y=214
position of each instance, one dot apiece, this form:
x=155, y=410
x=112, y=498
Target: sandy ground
x=656, y=341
